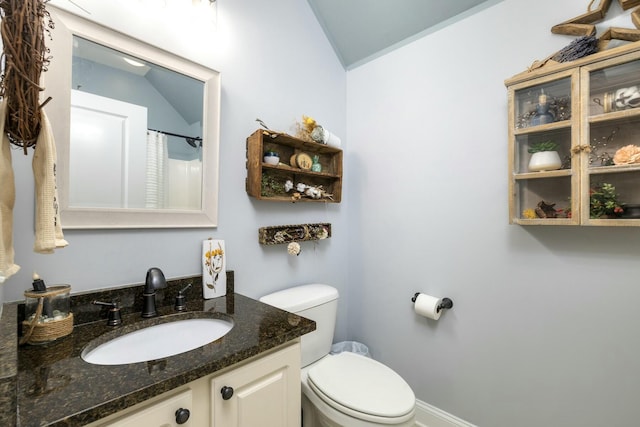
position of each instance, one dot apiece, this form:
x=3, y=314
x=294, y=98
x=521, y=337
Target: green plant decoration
x=272, y=186
x=538, y=147
x=603, y=201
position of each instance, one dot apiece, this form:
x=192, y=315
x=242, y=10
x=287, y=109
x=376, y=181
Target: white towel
x=48, y=228
x=7, y=199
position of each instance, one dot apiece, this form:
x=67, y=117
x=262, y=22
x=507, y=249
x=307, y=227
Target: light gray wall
x=543, y=331
x=275, y=64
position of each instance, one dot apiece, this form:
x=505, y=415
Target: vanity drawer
x=158, y=414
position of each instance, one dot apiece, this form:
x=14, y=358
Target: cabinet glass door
x=611, y=143
x=543, y=132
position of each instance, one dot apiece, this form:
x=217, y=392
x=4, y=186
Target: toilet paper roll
x=427, y=306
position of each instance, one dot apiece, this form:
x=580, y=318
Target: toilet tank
x=317, y=302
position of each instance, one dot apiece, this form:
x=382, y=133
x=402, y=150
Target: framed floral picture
x=214, y=277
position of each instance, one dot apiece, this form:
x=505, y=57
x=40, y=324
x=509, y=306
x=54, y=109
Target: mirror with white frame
x=137, y=130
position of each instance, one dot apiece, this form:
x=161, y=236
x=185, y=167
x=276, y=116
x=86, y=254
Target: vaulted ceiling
x=360, y=30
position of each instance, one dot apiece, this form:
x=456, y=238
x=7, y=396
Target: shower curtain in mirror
x=157, y=160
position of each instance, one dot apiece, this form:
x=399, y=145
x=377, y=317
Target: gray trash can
x=350, y=346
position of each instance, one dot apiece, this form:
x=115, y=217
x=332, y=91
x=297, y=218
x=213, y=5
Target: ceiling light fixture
x=133, y=62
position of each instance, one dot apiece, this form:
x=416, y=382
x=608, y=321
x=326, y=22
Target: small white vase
x=545, y=161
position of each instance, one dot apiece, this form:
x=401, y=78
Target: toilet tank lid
x=301, y=297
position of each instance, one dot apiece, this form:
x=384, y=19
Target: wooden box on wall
x=267, y=182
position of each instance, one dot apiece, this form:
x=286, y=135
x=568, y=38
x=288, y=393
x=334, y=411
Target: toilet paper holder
x=446, y=303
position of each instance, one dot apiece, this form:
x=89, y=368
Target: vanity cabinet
x=263, y=391
x=266, y=181
x=590, y=108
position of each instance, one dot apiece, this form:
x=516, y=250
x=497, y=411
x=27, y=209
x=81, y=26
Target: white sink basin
x=158, y=341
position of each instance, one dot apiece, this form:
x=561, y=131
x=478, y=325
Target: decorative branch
x=24, y=24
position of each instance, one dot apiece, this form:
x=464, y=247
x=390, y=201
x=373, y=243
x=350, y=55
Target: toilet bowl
x=346, y=389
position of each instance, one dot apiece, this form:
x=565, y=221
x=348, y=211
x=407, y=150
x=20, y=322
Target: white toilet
x=345, y=389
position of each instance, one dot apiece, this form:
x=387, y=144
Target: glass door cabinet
x=574, y=141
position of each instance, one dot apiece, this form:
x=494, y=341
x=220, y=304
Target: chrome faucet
x=155, y=280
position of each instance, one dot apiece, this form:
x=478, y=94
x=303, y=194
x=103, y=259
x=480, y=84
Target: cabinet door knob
x=182, y=415
x=227, y=392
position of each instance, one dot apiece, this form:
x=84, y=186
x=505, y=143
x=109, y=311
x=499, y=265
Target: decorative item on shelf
x=280, y=234
x=584, y=26
x=271, y=133
x=542, y=115
x=272, y=185
x=603, y=202
x=627, y=155
x=305, y=127
x=558, y=106
x=323, y=136
x=621, y=99
x=309, y=130
x=301, y=160
x=271, y=158
x=214, y=278
x=304, y=190
x=578, y=48
x=544, y=156
x=626, y=97
x=544, y=210
x=607, y=102
x=47, y=313
x=316, y=166
x=597, y=149
x=631, y=211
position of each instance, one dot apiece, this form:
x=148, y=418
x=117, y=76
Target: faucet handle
x=113, y=316
x=180, y=304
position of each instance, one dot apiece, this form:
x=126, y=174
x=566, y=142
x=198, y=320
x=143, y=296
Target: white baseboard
x=430, y=416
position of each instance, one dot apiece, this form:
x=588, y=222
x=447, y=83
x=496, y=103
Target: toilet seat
x=362, y=388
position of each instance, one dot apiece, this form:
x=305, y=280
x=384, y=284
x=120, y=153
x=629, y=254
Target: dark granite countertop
x=55, y=387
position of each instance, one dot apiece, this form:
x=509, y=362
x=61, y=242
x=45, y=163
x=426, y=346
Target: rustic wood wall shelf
x=279, y=234
x=267, y=182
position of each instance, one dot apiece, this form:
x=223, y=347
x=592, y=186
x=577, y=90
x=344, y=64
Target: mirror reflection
x=136, y=133
x=137, y=130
